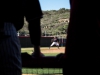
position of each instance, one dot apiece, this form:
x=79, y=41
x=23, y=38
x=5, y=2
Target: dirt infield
x=54, y=50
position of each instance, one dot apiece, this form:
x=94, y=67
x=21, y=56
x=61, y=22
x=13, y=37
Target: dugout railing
x=43, y=62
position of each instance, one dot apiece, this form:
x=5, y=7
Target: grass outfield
x=53, y=51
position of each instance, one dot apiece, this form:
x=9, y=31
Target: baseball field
x=53, y=51
x=45, y=50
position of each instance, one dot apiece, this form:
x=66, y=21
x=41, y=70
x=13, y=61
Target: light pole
x=45, y=30
x=62, y=40
x=45, y=33
x=18, y=33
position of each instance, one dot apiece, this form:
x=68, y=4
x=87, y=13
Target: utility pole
x=18, y=33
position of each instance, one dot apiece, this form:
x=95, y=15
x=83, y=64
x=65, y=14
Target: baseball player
x=55, y=41
x=10, y=48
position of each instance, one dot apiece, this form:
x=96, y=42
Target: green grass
x=46, y=54
x=50, y=54
x=40, y=71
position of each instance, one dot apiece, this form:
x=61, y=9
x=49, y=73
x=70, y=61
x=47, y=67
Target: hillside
x=54, y=22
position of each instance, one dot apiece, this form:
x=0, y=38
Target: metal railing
x=42, y=62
